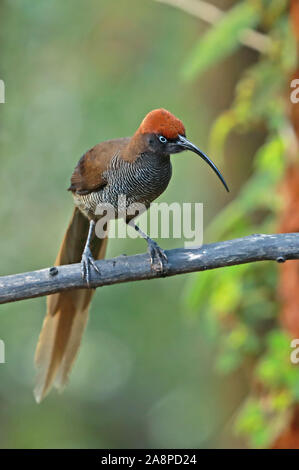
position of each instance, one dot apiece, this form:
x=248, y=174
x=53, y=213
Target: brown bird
x=138, y=168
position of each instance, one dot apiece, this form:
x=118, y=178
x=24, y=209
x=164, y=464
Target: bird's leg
x=87, y=258
x=157, y=255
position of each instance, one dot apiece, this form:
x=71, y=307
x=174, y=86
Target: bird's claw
x=158, y=257
x=86, y=262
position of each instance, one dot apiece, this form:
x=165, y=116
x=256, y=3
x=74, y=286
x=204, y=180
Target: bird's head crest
x=160, y=121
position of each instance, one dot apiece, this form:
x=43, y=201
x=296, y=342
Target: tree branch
x=211, y=14
x=278, y=248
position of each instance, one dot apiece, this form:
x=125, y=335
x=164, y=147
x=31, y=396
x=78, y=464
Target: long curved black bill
x=183, y=142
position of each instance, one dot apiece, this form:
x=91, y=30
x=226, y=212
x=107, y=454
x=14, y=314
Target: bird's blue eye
x=162, y=139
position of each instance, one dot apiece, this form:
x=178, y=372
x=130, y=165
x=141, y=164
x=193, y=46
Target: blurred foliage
x=227, y=34
x=77, y=73
x=238, y=306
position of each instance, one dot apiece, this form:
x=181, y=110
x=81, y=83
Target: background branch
x=211, y=14
x=279, y=248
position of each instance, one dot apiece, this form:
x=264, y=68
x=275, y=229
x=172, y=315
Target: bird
x=136, y=167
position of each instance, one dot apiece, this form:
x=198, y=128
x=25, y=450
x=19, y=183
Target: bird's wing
x=88, y=174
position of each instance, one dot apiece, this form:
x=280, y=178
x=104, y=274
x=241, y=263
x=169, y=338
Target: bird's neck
x=135, y=147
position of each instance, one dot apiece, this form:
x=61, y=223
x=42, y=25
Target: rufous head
x=162, y=122
x=164, y=134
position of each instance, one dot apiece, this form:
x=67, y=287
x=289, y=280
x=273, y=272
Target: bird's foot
x=158, y=257
x=86, y=262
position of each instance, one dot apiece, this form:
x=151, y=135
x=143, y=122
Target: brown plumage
x=139, y=168
x=88, y=174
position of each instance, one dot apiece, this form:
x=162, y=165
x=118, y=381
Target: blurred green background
x=77, y=73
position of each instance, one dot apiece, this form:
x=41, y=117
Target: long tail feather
x=67, y=314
